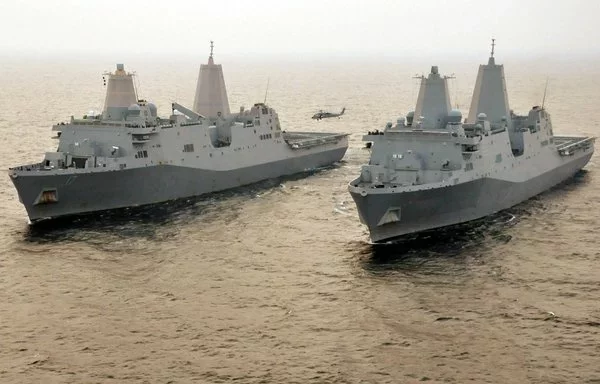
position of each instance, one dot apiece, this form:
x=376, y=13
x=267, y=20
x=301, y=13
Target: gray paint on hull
x=140, y=186
x=440, y=207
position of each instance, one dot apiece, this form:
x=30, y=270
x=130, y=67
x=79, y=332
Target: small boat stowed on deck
x=128, y=156
x=431, y=170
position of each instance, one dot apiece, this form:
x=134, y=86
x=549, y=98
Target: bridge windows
x=141, y=154
x=188, y=148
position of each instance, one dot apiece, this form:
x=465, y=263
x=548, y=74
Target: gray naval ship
x=431, y=170
x=128, y=156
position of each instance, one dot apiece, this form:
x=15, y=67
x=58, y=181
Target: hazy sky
x=277, y=27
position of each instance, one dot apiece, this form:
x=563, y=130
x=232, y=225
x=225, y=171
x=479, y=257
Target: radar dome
x=153, y=109
x=134, y=110
x=409, y=118
x=454, y=116
x=482, y=116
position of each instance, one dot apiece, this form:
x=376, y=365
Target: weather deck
x=568, y=145
x=302, y=140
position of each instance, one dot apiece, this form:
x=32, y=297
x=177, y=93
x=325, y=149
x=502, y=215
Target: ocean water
x=277, y=282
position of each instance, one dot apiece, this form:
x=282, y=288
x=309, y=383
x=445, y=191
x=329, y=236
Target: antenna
x=136, y=84
x=545, y=89
x=266, y=91
x=455, y=85
x=493, y=45
x=212, y=45
x=415, y=85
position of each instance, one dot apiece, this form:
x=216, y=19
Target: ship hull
x=79, y=193
x=439, y=207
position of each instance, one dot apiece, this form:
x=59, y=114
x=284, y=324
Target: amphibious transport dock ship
x=128, y=156
x=432, y=170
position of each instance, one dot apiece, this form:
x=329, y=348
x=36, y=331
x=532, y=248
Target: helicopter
x=325, y=115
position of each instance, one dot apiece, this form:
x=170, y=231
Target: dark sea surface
x=277, y=282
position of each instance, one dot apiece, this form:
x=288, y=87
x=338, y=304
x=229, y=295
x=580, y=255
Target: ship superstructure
x=211, y=95
x=129, y=156
x=431, y=169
